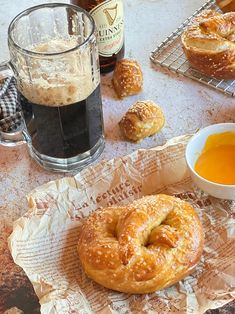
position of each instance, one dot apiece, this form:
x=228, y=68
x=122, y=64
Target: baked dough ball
x=127, y=78
x=226, y=5
x=143, y=247
x=143, y=119
x=209, y=44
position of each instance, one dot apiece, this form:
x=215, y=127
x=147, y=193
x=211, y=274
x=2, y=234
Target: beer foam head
x=60, y=79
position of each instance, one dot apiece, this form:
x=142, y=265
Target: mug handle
x=19, y=136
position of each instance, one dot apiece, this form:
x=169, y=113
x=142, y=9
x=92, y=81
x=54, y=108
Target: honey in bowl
x=216, y=162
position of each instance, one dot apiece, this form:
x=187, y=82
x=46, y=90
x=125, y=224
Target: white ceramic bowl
x=193, y=150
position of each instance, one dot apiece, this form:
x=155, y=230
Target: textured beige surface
x=187, y=106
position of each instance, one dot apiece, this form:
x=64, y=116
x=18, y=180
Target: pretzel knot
x=146, y=246
x=209, y=44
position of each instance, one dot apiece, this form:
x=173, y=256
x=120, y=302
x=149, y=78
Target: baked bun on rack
x=142, y=247
x=226, y=5
x=142, y=119
x=209, y=44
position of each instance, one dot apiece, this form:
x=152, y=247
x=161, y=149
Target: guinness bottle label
x=108, y=17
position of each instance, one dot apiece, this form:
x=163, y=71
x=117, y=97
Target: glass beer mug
x=54, y=58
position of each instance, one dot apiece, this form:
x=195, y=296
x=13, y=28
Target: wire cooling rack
x=170, y=54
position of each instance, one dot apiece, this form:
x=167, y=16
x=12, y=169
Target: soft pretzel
x=127, y=78
x=146, y=246
x=226, y=5
x=143, y=119
x=209, y=44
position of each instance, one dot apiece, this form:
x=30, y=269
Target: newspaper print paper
x=44, y=240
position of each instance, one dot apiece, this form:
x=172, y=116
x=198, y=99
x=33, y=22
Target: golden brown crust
x=143, y=119
x=127, y=78
x=146, y=246
x=209, y=44
x=226, y=5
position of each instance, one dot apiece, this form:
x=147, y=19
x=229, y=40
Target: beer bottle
x=108, y=16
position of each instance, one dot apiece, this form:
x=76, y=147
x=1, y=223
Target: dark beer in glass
x=55, y=58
